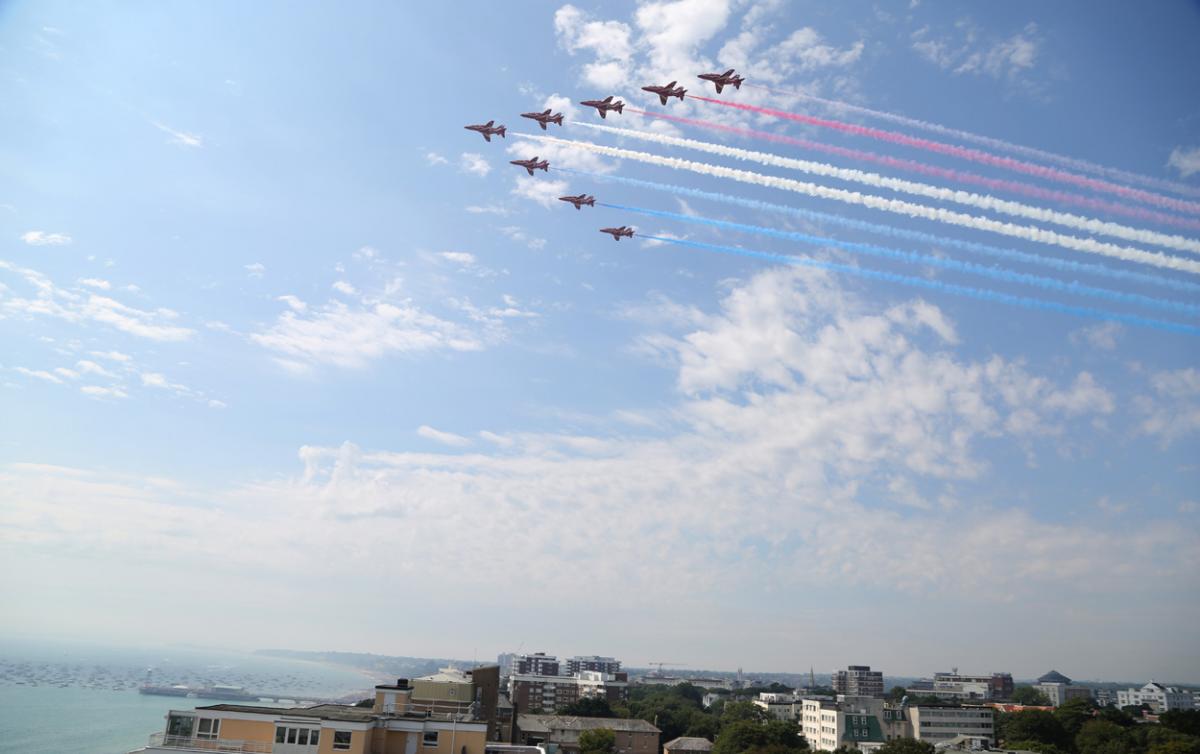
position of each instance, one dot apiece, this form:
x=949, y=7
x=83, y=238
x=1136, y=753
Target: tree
x=1103, y=737
x=737, y=711
x=897, y=693
x=750, y=737
x=1034, y=725
x=1184, y=721
x=1038, y=746
x=703, y=725
x=1181, y=745
x=597, y=741
x=1030, y=696
x=588, y=706
x=1073, y=713
x=906, y=746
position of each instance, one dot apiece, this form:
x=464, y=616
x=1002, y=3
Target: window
x=341, y=740
x=302, y=739
x=314, y=737
x=208, y=728
x=429, y=738
x=291, y=739
x=280, y=733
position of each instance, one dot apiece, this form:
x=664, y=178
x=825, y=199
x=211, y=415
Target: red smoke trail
x=1071, y=163
x=973, y=155
x=948, y=174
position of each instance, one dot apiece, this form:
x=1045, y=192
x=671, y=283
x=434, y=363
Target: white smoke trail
x=875, y=180
x=897, y=206
x=999, y=144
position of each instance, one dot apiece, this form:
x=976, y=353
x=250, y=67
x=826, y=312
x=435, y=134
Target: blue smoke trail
x=980, y=294
x=1065, y=265
x=998, y=273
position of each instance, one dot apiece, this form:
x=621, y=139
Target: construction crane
x=661, y=664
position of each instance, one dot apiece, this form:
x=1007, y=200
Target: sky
x=291, y=359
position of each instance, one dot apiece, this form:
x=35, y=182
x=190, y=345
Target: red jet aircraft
x=670, y=90
x=579, y=201
x=544, y=117
x=604, y=105
x=723, y=80
x=532, y=164
x=488, y=130
x=618, y=233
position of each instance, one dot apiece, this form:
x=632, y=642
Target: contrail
x=1065, y=265
x=994, y=184
x=1026, y=232
x=973, y=155
x=938, y=193
x=996, y=273
x=980, y=294
x=997, y=144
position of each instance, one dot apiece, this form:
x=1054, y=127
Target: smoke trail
x=973, y=155
x=997, y=273
x=1065, y=265
x=980, y=294
x=937, y=193
x=1026, y=232
x=997, y=144
x=994, y=184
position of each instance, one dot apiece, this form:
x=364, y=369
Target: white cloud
x=341, y=286
x=103, y=285
x=1102, y=336
x=1186, y=160
x=86, y=366
x=293, y=302
x=521, y=236
x=964, y=51
x=40, y=374
x=474, y=163
x=542, y=192
x=111, y=355
x=459, y=257
x=347, y=336
x=96, y=391
x=256, y=269
x=181, y=138
x=1172, y=412
x=609, y=41
x=433, y=158
x=487, y=209
x=42, y=238
x=445, y=438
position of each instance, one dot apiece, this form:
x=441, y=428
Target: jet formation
x=532, y=164
x=603, y=106
x=579, y=201
x=544, y=117
x=722, y=80
x=488, y=130
x=670, y=90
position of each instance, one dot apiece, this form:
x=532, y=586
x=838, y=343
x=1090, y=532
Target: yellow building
x=323, y=729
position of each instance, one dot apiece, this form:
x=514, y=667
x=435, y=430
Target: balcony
x=187, y=743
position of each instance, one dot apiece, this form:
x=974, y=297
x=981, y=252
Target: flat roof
x=340, y=712
x=547, y=723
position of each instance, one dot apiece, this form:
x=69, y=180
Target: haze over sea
x=77, y=698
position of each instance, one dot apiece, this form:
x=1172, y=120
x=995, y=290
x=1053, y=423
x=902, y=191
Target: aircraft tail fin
x=671, y=85
x=728, y=73
x=620, y=108
x=501, y=132
x=608, y=98
x=737, y=84
x=547, y=112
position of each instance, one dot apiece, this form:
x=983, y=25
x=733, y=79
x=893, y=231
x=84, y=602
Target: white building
x=1160, y=698
x=1058, y=688
x=936, y=723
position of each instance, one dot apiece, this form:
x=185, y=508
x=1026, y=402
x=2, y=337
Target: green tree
x=737, y=711
x=597, y=741
x=1038, y=746
x=1073, y=713
x=588, y=707
x=906, y=746
x=1034, y=725
x=897, y=693
x=1184, y=721
x=1103, y=737
x=750, y=737
x=1031, y=696
x=703, y=725
x=1181, y=745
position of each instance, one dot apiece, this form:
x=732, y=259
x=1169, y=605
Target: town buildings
x=1160, y=698
x=543, y=693
x=632, y=736
x=687, y=745
x=868, y=722
x=1058, y=688
x=956, y=686
x=594, y=663
x=538, y=663
x=858, y=680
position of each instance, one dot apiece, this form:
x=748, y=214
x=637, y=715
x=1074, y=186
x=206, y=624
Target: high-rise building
x=548, y=694
x=858, y=680
x=538, y=663
x=595, y=663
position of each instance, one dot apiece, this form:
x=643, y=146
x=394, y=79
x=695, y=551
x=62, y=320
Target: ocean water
x=75, y=698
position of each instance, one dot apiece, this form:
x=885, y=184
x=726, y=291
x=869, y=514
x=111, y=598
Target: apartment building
x=538, y=663
x=632, y=736
x=593, y=663
x=869, y=722
x=321, y=729
x=938, y=723
x=1160, y=698
x=858, y=680
x=957, y=686
x=547, y=694
x=1058, y=688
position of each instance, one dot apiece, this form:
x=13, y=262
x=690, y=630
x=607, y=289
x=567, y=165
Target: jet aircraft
x=488, y=130
x=723, y=80
x=618, y=233
x=544, y=117
x=532, y=164
x=579, y=201
x=670, y=90
x=604, y=105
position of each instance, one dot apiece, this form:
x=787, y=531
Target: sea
x=81, y=698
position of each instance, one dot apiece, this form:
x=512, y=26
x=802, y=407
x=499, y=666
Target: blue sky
x=281, y=338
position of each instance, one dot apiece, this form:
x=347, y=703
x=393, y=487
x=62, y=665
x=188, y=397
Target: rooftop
x=321, y=711
x=547, y=723
x=689, y=743
x=1054, y=677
